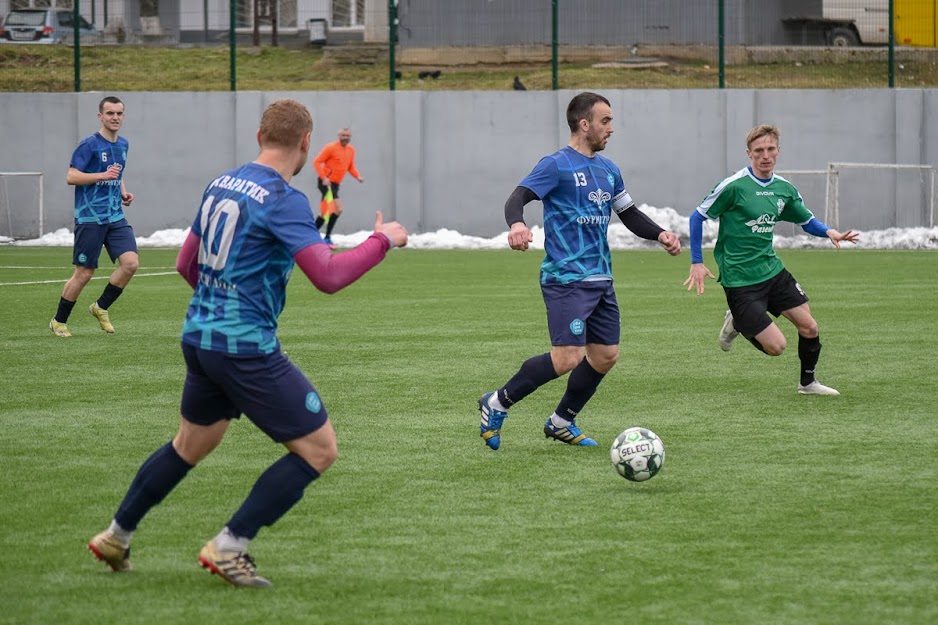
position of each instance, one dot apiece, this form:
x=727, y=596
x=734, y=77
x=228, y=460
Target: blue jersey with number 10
x=579, y=194
x=251, y=224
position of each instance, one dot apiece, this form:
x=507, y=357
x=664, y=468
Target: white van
x=855, y=22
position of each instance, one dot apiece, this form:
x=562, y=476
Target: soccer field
x=771, y=509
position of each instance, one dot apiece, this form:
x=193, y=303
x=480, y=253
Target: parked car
x=44, y=26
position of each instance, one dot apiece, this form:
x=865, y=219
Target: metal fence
x=548, y=44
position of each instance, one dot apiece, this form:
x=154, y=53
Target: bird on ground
x=519, y=86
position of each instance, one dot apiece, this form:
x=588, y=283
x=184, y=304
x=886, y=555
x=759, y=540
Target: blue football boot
x=571, y=435
x=490, y=427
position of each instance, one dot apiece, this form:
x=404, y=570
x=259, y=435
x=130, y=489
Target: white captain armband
x=622, y=202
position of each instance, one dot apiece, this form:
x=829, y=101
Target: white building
x=196, y=21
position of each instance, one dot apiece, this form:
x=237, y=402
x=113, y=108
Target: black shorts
x=749, y=304
x=269, y=389
x=581, y=313
x=117, y=238
x=323, y=188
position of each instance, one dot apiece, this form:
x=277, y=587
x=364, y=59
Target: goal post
x=878, y=195
x=22, y=213
x=910, y=190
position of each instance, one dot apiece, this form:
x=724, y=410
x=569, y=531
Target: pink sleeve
x=187, y=263
x=331, y=272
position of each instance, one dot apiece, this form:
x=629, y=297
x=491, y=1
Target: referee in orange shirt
x=333, y=162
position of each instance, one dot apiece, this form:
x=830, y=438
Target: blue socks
x=155, y=479
x=275, y=492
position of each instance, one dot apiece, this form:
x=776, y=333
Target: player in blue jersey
x=97, y=172
x=580, y=190
x=749, y=204
x=251, y=229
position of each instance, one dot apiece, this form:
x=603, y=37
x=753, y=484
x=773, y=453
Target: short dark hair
x=581, y=107
x=111, y=99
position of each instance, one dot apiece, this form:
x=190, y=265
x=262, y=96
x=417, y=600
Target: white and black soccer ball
x=637, y=454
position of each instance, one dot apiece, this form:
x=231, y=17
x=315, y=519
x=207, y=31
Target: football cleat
x=235, y=567
x=490, y=426
x=727, y=332
x=816, y=388
x=571, y=434
x=106, y=548
x=104, y=319
x=59, y=329
x=329, y=242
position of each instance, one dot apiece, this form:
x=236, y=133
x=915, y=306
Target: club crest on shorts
x=313, y=403
x=577, y=326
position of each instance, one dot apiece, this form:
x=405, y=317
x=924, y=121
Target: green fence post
x=232, y=43
x=76, y=19
x=553, y=44
x=721, y=42
x=392, y=43
x=892, y=44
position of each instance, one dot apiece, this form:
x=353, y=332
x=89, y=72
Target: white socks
x=494, y=403
x=559, y=421
x=122, y=535
x=226, y=541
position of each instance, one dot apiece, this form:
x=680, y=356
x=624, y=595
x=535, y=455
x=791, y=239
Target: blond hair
x=762, y=130
x=285, y=123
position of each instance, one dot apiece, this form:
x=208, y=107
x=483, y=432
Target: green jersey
x=748, y=209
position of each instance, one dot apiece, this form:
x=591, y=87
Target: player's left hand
x=361, y=179
x=671, y=242
x=836, y=237
x=127, y=198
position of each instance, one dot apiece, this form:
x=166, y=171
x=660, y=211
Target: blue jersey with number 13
x=579, y=194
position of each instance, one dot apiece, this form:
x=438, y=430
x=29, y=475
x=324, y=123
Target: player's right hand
x=111, y=173
x=393, y=230
x=698, y=273
x=519, y=236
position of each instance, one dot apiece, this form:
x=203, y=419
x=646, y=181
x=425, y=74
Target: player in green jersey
x=749, y=204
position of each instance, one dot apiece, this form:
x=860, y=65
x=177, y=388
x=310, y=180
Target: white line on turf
x=138, y=275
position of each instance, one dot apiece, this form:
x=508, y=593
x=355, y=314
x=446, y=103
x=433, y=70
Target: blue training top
x=99, y=202
x=251, y=224
x=579, y=194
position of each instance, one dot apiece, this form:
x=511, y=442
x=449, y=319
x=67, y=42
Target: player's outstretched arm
x=698, y=274
x=641, y=225
x=671, y=242
x=836, y=237
x=332, y=272
x=394, y=231
x=698, y=271
x=519, y=235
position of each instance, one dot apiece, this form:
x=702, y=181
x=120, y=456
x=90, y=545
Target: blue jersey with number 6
x=99, y=203
x=251, y=223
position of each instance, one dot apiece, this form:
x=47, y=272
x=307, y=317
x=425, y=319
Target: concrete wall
x=450, y=159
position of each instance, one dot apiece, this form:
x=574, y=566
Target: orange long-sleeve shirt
x=334, y=161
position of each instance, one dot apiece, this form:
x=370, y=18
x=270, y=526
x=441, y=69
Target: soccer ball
x=637, y=454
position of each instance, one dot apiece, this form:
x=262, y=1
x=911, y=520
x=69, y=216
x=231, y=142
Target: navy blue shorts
x=750, y=304
x=117, y=237
x=269, y=389
x=581, y=313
